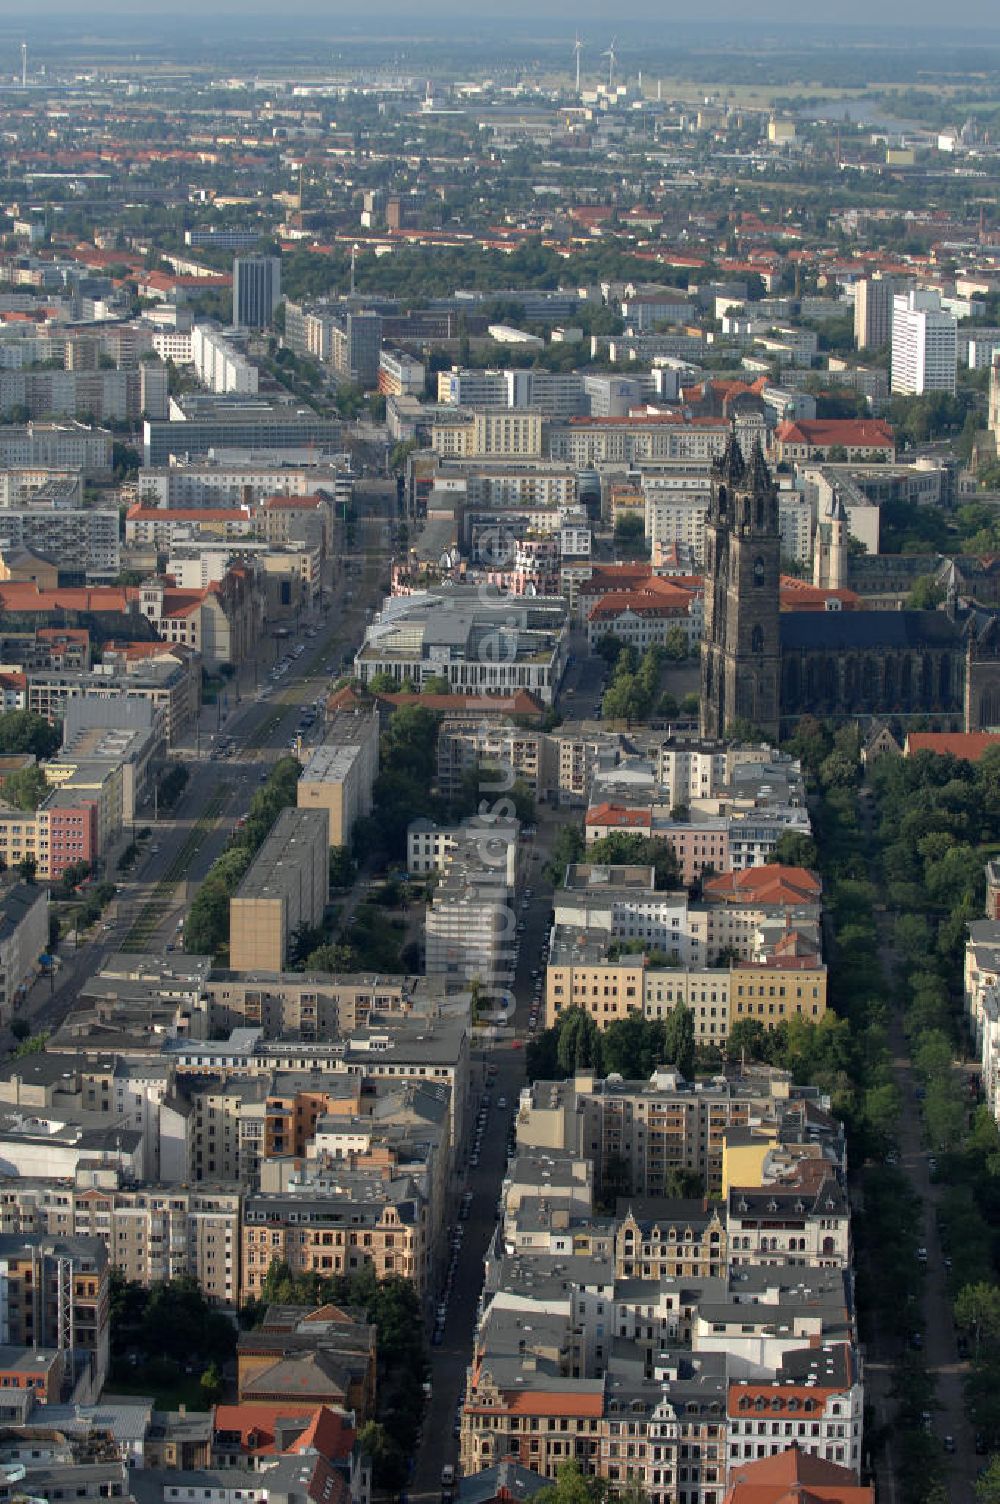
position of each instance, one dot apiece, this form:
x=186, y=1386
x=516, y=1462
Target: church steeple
x=731, y=468
x=760, y=476
x=740, y=652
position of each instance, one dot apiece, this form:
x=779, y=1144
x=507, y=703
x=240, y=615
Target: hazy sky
x=549, y=15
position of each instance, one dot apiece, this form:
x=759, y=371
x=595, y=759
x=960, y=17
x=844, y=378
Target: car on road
x=949, y=1444
x=501, y=1101
x=922, y=1255
x=447, y=1475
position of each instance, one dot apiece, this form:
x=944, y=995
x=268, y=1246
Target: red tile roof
x=774, y=884
x=323, y=1430
x=139, y=513
x=658, y=596
x=26, y=596
x=536, y=1402
x=968, y=745
x=799, y=595
x=620, y=815
x=795, y=1477
x=852, y=433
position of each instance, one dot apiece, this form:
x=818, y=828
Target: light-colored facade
x=924, y=345
x=24, y=939
x=287, y=885
x=341, y=772
x=219, y=365
x=83, y=540
x=151, y=1233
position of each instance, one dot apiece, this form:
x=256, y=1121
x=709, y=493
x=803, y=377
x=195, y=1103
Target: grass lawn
x=168, y=1393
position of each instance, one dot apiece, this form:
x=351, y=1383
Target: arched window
x=760, y=511
x=758, y=571
x=722, y=501
x=757, y=640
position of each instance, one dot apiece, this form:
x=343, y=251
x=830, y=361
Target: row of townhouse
x=743, y=914
x=636, y=1134
x=668, y=1343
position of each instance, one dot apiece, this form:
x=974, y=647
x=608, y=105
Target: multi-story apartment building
x=594, y=441
x=213, y=484
x=924, y=344
x=81, y=541
x=169, y=677
x=287, y=885
x=469, y=926
x=501, y=432
x=371, y=1221
x=434, y=848
x=151, y=1233
x=400, y=375
x=160, y=528
x=642, y=1130
x=55, y=1293
x=340, y=774
x=800, y=1225
x=467, y=741
x=873, y=300
x=24, y=938
x=219, y=365
x=814, y=1403
x=677, y=517
x=311, y=1007
x=60, y=445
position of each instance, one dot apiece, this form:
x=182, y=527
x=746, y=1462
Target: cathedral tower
x=740, y=655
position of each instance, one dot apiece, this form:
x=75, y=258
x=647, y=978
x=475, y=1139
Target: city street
x=262, y=723
x=449, y=1362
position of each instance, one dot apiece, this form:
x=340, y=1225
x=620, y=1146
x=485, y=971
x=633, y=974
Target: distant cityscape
x=499, y=748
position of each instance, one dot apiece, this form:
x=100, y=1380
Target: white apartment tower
x=924, y=345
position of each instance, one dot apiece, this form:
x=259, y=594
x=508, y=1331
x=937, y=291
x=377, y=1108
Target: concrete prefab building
x=287, y=885
x=339, y=775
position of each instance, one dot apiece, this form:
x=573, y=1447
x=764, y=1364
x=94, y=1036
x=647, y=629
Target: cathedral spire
x=760, y=475
x=732, y=466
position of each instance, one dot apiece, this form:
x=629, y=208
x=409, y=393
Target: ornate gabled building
x=768, y=667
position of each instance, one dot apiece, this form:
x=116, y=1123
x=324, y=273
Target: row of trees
x=207, y=929
x=618, y=849
x=937, y=817
x=407, y=768
x=632, y=693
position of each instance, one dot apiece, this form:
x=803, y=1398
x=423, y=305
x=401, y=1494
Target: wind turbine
x=577, y=49
x=610, y=55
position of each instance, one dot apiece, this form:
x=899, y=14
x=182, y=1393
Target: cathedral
x=769, y=667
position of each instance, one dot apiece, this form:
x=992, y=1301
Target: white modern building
x=924, y=344
x=219, y=365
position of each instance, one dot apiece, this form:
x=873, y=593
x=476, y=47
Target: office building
x=924, y=345
x=355, y=347
x=256, y=290
x=287, y=885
